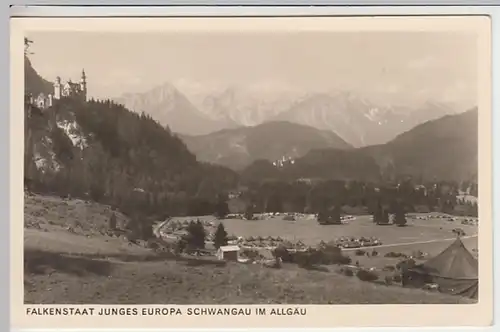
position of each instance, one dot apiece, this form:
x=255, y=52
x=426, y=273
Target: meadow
x=85, y=266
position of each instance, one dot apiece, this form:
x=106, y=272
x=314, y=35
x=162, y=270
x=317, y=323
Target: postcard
x=251, y=172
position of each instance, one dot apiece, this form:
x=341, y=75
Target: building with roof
x=228, y=253
x=68, y=89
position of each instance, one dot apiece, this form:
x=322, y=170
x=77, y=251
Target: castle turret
x=83, y=85
x=57, y=88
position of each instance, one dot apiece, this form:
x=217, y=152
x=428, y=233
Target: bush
x=348, y=272
x=132, y=236
x=112, y=222
x=281, y=252
x=309, y=258
x=405, y=264
x=388, y=280
x=365, y=275
x=359, y=252
x=374, y=253
x=221, y=237
x=389, y=268
x=152, y=245
x=251, y=254
x=344, y=260
x=393, y=254
x=146, y=231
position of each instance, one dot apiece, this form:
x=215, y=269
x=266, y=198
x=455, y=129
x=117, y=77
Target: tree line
x=364, y=197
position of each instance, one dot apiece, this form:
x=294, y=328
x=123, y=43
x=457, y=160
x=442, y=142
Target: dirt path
x=413, y=243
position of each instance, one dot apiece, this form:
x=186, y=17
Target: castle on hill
x=68, y=89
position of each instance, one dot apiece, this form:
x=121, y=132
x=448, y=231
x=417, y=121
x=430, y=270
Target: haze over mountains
x=194, y=109
x=237, y=148
x=167, y=105
x=444, y=148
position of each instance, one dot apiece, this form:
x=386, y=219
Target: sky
x=403, y=67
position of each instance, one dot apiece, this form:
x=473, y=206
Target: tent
x=454, y=270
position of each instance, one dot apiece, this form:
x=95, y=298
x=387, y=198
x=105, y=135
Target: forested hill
x=239, y=147
x=439, y=150
x=101, y=150
x=34, y=83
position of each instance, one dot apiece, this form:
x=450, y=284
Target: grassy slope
x=239, y=147
x=88, y=267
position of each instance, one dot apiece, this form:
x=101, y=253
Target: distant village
x=283, y=162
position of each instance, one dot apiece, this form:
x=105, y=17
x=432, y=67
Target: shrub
x=112, y=222
x=388, y=280
x=389, y=268
x=359, y=252
x=365, y=275
x=309, y=258
x=348, y=272
x=152, y=245
x=393, y=254
x=132, y=236
x=405, y=264
x=344, y=260
x=281, y=252
x=374, y=253
x=250, y=254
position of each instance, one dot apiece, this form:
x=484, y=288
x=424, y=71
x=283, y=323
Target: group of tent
x=455, y=271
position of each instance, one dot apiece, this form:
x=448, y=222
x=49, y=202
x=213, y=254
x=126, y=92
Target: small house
x=228, y=253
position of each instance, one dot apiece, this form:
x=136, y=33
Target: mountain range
x=194, y=109
x=167, y=105
x=445, y=149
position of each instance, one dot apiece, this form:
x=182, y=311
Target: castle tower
x=57, y=88
x=83, y=85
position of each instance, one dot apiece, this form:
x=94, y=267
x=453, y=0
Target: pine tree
x=378, y=213
x=112, y=222
x=221, y=208
x=399, y=217
x=322, y=217
x=249, y=212
x=334, y=217
x=385, y=217
x=146, y=230
x=381, y=215
x=220, y=238
x=196, y=235
x=202, y=234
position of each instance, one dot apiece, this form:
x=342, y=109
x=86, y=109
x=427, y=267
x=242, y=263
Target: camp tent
x=454, y=270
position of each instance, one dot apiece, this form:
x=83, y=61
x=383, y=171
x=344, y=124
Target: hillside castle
x=68, y=89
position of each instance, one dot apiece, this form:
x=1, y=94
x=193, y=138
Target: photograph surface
x=216, y=164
